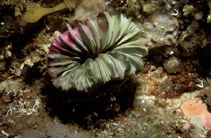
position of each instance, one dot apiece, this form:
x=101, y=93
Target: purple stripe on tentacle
x=56, y=44
x=69, y=29
x=75, y=35
x=65, y=40
x=53, y=51
x=87, y=23
x=51, y=73
x=84, y=34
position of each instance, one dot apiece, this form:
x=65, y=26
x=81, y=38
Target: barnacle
x=98, y=51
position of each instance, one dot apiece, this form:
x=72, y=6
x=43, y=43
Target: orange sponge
x=194, y=107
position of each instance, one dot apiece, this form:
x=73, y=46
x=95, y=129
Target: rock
x=172, y=65
x=33, y=134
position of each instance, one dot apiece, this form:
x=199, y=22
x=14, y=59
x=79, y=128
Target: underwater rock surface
x=148, y=104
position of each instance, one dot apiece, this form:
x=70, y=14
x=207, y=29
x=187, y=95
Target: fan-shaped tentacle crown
x=96, y=52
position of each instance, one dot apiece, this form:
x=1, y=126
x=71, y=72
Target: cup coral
x=98, y=51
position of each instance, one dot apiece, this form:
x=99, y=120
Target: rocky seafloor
x=170, y=99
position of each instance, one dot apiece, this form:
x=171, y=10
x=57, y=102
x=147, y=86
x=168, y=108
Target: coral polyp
x=96, y=52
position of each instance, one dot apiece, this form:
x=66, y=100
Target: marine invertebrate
x=107, y=48
x=36, y=12
x=195, y=107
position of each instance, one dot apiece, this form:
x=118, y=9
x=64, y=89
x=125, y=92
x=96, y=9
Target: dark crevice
x=90, y=110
